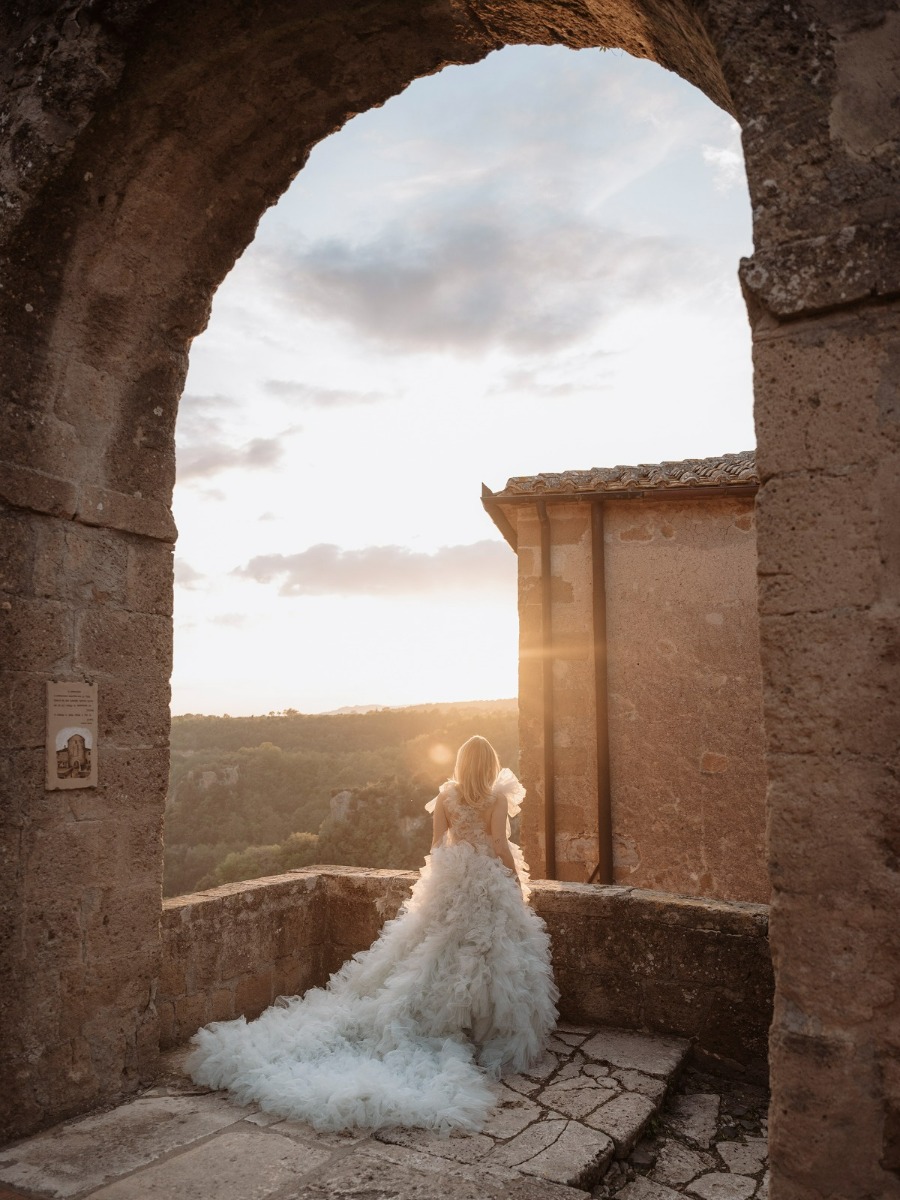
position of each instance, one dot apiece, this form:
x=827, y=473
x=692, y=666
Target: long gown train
x=456, y=989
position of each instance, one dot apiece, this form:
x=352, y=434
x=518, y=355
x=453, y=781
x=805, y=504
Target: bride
x=456, y=990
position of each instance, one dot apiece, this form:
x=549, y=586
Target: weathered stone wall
x=232, y=950
x=638, y=960
x=687, y=748
x=686, y=742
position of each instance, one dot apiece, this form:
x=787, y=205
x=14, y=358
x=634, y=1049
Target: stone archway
x=144, y=140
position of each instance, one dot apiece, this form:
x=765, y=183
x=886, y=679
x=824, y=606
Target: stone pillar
x=829, y=517
x=815, y=86
x=81, y=869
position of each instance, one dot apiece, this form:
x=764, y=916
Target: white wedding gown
x=457, y=989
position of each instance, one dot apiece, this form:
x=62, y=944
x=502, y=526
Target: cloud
x=206, y=446
x=559, y=380
x=478, y=282
x=230, y=620
x=202, y=460
x=320, y=397
x=186, y=576
x=727, y=161
x=385, y=570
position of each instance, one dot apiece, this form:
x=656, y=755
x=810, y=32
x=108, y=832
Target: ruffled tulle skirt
x=457, y=989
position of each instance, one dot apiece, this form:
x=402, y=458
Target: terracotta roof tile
x=721, y=470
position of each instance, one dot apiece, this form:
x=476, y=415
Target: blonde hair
x=476, y=770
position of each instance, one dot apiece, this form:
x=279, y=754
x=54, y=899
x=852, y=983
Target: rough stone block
x=80, y=566
x=805, y=521
x=128, y=645
x=23, y=707
x=677, y=1164
x=18, y=536
x=138, y=717
x=191, y=1014
x=810, y=707
x=748, y=1157
x=805, y=376
x=561, y=1151
x=645, y=1189
x=718, y=1185
x=149, y=579
x=624, y=1119
x=695, y=1117
x=29, y=489
x=131, y=514
x=578, y=1096
x=120, y=920
x=254, y=993
x=36, y=636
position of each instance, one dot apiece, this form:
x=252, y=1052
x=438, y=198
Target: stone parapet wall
x=636, y=959
x=231, y=950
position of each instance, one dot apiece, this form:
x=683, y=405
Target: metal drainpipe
x=603, y=871
x=547, y=663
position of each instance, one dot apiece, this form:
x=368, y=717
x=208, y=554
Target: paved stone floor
x=708, y=1142
x=593, y=1114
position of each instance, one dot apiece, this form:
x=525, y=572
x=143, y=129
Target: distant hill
x=292, y=730
x=487, y=705
x=251, y=795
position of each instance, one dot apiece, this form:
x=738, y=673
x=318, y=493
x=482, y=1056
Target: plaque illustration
x=73, y=753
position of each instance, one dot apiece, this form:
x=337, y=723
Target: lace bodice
x=467, y=823
x=471, y=824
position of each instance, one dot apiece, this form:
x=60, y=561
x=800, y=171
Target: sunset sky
x=525, y=265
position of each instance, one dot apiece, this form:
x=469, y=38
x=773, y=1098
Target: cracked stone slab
x=720, y=1185
x=637, y=1051
x=365, y=1174
x=263, y=1119
x=646, y=1189
x=571, y=1039
x=579, y=1096
x=561, y=1151
x=637, y=1081
x=595, y=1070
x=248, y=1164
x=513, y=1113
x=405, y=1174
x=529, y=1142
x=544, y=1067
x=556, y=1045
x=624, y=1119
x=520, y=1084
x=334, y=1139
x=695, y=1117
x=571, y=1070
x=95, y=1150
x=582, y=1031
x=677, y=1164
x=465, y=1148
x=744, y=1158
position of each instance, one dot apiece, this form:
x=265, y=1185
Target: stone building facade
x=640, y=684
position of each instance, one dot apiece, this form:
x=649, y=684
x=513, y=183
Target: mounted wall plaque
x=71, y=735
